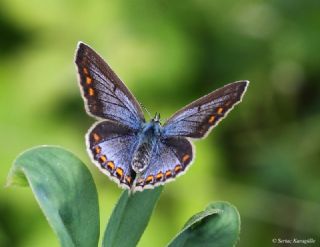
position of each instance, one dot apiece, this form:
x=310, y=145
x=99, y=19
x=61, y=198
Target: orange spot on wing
x=159, y=176
x=96, y=137
x=110, y=165
x=85, y=70
x=88, y=80
x=103, y=159
x=119, y=172
x=128, y=179
x=91, y=91
x=168, y=174
x=149, y=179
x=97, y=149
x=220, y=110
x=177, y=168
x=211, y=119
x=185, y=157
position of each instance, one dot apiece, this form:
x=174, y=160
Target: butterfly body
x=136, y=154
x=147, y=141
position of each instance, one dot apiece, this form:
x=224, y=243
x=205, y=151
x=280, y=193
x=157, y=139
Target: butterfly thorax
x=146, y=144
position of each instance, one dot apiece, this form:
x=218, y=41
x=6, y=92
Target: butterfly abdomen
x=143, y=152
x=141, y=157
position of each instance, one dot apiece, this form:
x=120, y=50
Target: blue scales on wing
x=171, y=158
x=111, y=146
x=198, y=118
x=105, y=94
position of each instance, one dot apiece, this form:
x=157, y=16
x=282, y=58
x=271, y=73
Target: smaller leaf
x=65, y=191
x=217, y=226
x=130, y=218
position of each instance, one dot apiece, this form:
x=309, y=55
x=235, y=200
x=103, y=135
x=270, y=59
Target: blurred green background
x=264, y=158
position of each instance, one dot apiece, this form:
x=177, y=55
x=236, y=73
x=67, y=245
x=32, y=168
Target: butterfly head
x=156, y=118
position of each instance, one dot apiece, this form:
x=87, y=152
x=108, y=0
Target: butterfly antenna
x=146, y=110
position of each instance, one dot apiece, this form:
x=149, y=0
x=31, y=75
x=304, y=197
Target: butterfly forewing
x=105, y=94
x=196, y=119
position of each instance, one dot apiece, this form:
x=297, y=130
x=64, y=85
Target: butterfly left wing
x=198, y=118
x=104, y=93
x=110, y=146
x=171, y=158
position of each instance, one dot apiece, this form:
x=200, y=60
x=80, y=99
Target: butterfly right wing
x=104, y=93
x=171, y=158
x=197, y=119
x=111, y=146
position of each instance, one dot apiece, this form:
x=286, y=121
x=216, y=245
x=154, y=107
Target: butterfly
x=136, y=154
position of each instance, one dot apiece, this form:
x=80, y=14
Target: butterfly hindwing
x=197, y=119
x=171, y=158
x=111, y=146
x=105, y=94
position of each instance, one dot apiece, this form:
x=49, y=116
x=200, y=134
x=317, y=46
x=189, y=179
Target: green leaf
x=217, y=226
x=130, y=218
x=65, y=191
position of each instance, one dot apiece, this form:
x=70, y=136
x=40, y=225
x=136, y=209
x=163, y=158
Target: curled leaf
x=65, y=191
x=217, y=226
